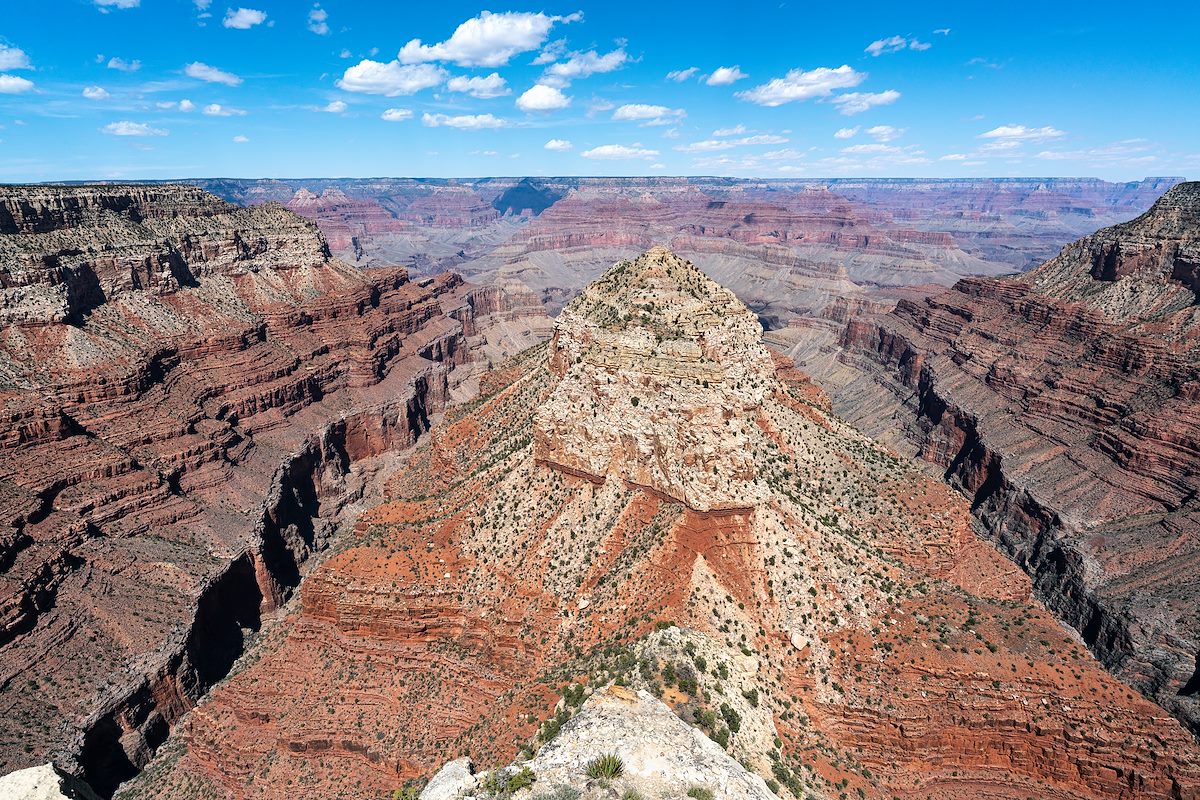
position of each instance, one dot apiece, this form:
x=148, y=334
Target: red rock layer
x=169, y=460
x=1064, y=405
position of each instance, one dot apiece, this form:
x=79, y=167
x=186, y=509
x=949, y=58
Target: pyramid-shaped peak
x=662, y=292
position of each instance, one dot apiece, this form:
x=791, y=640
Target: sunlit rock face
x=662, y=372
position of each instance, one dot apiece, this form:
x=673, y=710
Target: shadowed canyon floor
x=815, y=605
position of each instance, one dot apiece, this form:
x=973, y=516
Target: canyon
x=1063, y=404
x=557, y=554
x=192, y=395
x=285, y=516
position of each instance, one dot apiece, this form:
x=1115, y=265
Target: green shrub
x=606, y=767
x=700, y=793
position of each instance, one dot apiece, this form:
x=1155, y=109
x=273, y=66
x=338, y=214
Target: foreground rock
x=845, y=633
x=1064, y=404
x=43, y=783
x=187, y=393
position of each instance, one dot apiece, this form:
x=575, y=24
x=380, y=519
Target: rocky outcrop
x=175, y=449
x=1064, y=405
x=43, y=783
x=843, y=632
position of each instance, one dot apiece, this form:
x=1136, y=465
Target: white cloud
x=581, y=65
x=95, y=93
x=612, y=152
x=391, y=79
x=204, y=72
x=942, y=31
x=122, y=65
x=318, y=20
x=473, y=122
x=725, y=76
x=894, y=44
x=1020, y=133
x=734, y=131
x=540, y=97
x=396, y=115
x=187, y=105
x=558, y=145
x=202, y=5
x=243, y=18
x=710, y=145
x=550, y=53
x=648, y=114
x=871, y=148
x=105, y=5
x=335, y=107
x=846, y=133
x=953, y=156
x=884, y=133
x=682, y=74
x=218, y=110
x=240, y=139
x=13, y=58
x=12, y=84
x=491, y=86
x=858, y=102
x=803, y=85
x=488, y=40
x=132, y=129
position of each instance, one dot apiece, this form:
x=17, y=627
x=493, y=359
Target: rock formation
x=190, y=393
x=1063, y=404
x=819, y=608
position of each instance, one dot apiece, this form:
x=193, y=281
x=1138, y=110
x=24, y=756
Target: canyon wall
x=186, y=388
x=1063, y=404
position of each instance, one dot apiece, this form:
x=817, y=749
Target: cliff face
x=186, y=389
x=1064, y=405
x=817, y=607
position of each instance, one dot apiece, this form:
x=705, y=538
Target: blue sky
x=200, y=88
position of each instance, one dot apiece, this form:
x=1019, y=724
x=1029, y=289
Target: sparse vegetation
x=606, y=767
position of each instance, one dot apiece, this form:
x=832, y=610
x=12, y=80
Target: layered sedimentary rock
x=840, y=631
x=1064, y=405
x=186, y=388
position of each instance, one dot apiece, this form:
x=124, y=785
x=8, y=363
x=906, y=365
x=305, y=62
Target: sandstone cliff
x=1064, y=405
x=822, y=610
x=188, y=392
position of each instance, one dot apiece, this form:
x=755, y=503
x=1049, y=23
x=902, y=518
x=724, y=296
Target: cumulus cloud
x=581, y=65
x=240, y=139
x=558, y=145
x=334, y=107
x=711, y=145
x=725, y=76
x=734, y=131
x=884, y=133
x=121, y=65
x=13, y=58
x=243, y=18
x=541, y=97
x=894, y=44
x=800, y=84
x=95, y=93
x=682, y=74
x=612, y=152
x=648, y=114
x=127, y=128
x=218, y=110
x=846, y=133
x=482, y=87
x=391, y=79
x=1020, y=133
x=396, y=115
x=105, y=5
x=473, y=122
x=488, y=40
x=170, y=105
x=204, y=72
x=318, y=20
x=13, y=84
x=858, y=102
